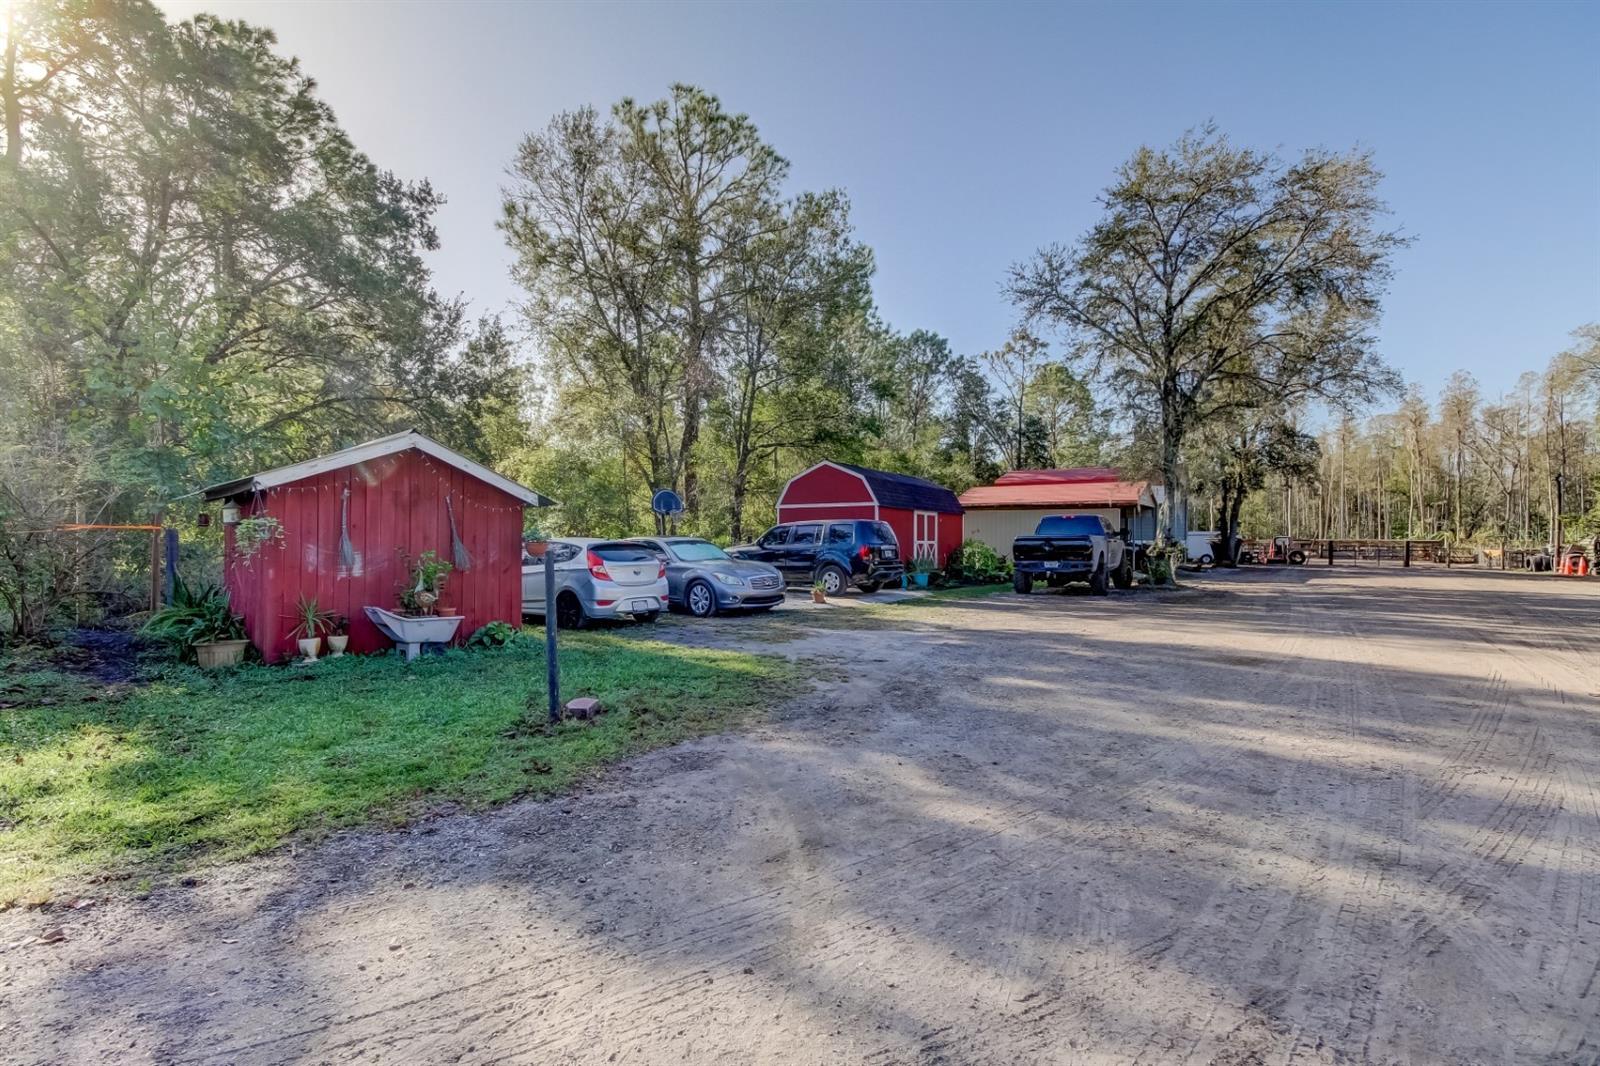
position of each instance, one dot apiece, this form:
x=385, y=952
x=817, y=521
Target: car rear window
x=622, y=553
x=1080, y=525
x=805, y=535
x=880, y=533
x=841, y=533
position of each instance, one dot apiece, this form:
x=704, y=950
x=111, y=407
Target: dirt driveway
x=1309, y=816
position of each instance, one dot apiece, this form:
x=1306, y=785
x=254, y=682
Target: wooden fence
x=1374, y=552
x=1405, y=552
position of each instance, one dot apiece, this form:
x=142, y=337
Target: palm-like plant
x=313, y=621
x=198, y=615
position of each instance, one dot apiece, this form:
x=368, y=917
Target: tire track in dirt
x=1293, y=855
x=935, y=871
x=967, y=884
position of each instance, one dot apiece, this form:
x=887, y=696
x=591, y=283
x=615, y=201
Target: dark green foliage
x=208, y=278
x=493, y=635
x=197, y=615
x=977, y=563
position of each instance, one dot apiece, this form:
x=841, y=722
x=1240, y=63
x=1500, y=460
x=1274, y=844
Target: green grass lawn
x=194, y=765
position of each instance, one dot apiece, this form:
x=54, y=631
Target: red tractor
x=1275, y=550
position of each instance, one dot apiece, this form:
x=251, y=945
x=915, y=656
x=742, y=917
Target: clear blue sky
x=966, y=136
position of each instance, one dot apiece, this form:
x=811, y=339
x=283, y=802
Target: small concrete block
x=584, y=707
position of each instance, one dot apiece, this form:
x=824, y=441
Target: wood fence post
x=1330, y=551
x=1502, y=555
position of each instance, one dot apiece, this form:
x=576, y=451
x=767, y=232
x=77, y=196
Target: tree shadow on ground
x=1224, y=827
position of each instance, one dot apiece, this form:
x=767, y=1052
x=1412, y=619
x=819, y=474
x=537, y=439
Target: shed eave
x=374, y=449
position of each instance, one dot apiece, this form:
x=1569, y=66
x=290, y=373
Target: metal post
x=1330, y=551
x=552, y=668
x=171, y=537
x=155, y=567
x=1408, y=553
x=1502, y=555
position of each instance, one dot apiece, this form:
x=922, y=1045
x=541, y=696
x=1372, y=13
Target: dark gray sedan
x=703, y=579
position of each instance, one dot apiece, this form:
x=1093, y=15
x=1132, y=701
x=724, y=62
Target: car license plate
x=1052, y=566
x=641, y=606
x=890, y=553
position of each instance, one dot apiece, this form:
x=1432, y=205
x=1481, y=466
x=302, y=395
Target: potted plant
x=250, y=535
x=421, y=596
x=921, y=570
x=818, y=593
x=201, y=624
x=312, y=622
x=339, y=636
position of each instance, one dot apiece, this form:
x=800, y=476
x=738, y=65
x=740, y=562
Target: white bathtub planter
x=411, y=632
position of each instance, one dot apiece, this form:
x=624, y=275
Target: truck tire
x=1098, y=586
x=1022, y=583
x=1297, y=558
x=1122, y=576
x=834, y=580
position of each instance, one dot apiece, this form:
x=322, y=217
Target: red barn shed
x=347, y=522
x=926, y=518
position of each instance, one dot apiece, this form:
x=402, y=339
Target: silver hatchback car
x=595, y=579
x=703, y=579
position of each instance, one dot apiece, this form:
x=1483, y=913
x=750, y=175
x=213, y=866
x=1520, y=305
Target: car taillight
x=866, y=552
x=597, y=567
x=662, y=572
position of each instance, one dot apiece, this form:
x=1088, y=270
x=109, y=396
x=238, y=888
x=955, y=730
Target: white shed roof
x=374, y=449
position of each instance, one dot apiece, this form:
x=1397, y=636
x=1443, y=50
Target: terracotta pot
x=818, y=596
x=309, y=647
x=220, y=653
x=337, y=642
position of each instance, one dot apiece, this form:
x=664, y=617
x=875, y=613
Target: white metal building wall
x=999, y=526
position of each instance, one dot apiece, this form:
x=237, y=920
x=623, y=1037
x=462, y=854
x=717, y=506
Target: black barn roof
x=907, y=492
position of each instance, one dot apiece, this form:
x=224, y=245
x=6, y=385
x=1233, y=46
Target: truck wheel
x=1122, y=576
x=1297, y=558
x=834, y=581
x=1097, y=581
x=1205, y=560
x=1022, y=582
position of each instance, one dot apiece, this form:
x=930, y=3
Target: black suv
x=834, y=553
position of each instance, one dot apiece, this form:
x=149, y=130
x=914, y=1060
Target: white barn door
x=925, y=535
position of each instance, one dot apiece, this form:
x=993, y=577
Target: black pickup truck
x=1069, y=548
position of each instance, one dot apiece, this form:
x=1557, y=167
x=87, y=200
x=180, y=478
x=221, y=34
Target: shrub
x=977, y=563
x=493, y=635
x=195, y=616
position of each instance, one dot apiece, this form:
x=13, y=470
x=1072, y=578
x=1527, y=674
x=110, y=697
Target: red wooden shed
x=348, y=523
x=926, y=518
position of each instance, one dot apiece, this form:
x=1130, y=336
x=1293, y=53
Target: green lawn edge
x=104, y=784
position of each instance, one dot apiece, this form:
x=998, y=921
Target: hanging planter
x=251, y=534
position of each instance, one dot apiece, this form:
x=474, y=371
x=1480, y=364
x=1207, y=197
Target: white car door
x=533, y=575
